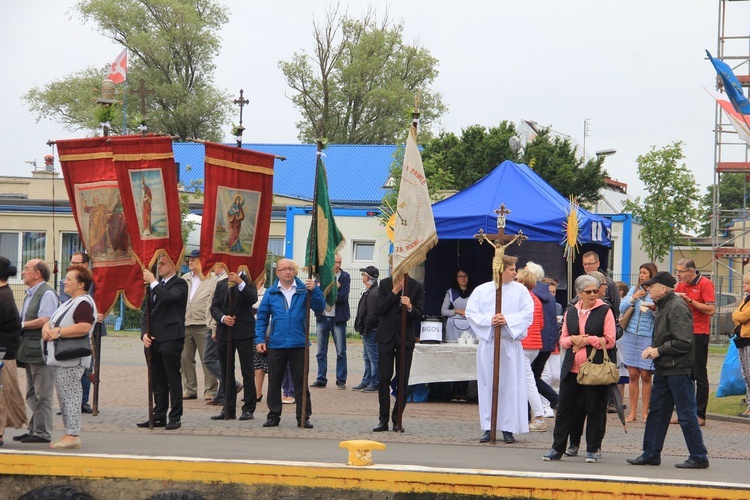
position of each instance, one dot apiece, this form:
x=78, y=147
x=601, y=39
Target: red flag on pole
x=94, y=195
x=118, y=70
x=147, y=177
x=236, y=209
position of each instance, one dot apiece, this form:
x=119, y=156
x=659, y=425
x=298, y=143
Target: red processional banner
x=147, y=177
x=94, y=195
x=237, y=209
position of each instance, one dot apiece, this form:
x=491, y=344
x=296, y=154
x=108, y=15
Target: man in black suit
x=232, y=309
x=391, y=301
x=166, y=339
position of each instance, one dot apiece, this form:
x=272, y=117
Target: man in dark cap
x=673, y=352
x=366, y=323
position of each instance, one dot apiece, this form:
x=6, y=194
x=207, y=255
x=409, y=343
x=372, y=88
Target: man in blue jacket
x=284, y=307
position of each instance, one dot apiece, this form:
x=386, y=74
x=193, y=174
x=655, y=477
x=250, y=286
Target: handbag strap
x=593, y=353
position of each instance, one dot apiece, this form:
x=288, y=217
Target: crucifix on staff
x=500, y=241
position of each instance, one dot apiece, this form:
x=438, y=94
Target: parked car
x=726, y=304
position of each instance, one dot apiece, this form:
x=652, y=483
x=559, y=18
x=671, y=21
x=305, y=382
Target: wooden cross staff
x=500, y=241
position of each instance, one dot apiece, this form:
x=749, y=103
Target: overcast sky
x=635, y=69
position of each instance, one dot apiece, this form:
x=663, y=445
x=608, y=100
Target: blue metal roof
x=356, y=173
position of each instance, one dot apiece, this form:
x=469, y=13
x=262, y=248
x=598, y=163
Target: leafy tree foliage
x=453, y=162
x=557, y=161
x=733, y=198
x=359, y=84
x=669, y=210
x=171, y=45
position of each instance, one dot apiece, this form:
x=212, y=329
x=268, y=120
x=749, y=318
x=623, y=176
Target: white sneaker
x=549, y=412
x=538, y=426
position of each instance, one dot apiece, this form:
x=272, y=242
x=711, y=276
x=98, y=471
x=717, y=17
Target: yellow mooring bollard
x=360, y=451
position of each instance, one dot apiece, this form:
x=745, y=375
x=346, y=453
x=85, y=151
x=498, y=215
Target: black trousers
x=700, y=373
x=389, y=357
x=595, y=401
x=245, y=348
x=277, y=361
x=537, y=367
x=166, y=379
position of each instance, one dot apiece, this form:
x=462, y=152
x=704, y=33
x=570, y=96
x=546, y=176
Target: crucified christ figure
x=497, y=260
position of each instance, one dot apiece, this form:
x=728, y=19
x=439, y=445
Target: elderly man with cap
x=673, y=352
x=366, y=323
x=197, y=318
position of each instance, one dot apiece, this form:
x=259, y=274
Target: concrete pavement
x=439, y=435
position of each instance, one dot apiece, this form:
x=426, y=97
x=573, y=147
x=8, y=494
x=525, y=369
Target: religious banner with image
x=147, y=177
x=97, y=206
x=237, y=209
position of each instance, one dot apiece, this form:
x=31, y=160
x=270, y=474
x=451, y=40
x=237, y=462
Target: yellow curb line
x=396, y=479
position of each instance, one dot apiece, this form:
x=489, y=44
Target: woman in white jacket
x=74, y=318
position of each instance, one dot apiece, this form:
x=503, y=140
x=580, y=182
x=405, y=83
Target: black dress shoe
x=34, y=439
x=641, y=460
x=508, y=437
x=687, y=464
x=174, y=424
x=271, y=422
x=18, y=438
x=157, y=423
x=318, y=383
x=246, y=415
x=220, y=416
x=308, y=424
x=86, y=408
x=485, y=437
x=379, y=428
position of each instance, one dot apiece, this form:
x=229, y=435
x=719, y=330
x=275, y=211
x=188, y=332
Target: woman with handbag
x=741, y=339
x=637, y=320
x=454, y=312
x=66, y=338
x=588, y=329
x=12, y=403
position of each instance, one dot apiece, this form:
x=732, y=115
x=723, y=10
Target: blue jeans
x=211, y=360
x=666, y=393
x=371, y=377
x=324, y=327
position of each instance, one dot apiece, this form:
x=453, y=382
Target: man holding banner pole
x=165, y=340
x=413, y=236
x=284, y=308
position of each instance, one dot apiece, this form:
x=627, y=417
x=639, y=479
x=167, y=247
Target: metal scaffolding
x=731, y=249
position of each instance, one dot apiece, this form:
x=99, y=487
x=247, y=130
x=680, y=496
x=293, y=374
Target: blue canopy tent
x=536, y=208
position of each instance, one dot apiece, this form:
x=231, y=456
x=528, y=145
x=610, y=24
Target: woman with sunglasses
x=588, y=324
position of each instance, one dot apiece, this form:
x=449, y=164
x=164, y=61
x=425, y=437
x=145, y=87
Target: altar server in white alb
x=514, y=320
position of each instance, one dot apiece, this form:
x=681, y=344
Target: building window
x=70, y=243
x=20, y=248
x=364, y=251
x=34, y=246
x=276, y=247
x=9, y=247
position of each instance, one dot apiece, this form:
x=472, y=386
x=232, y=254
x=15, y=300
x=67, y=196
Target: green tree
x=451, y=162
x=669, y=210
x=171, y=46
x=359, y=84
x=557, y=161
x=732, y=202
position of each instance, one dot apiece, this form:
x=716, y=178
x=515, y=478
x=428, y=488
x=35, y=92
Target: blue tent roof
x=356, y=173
x=536, y=208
